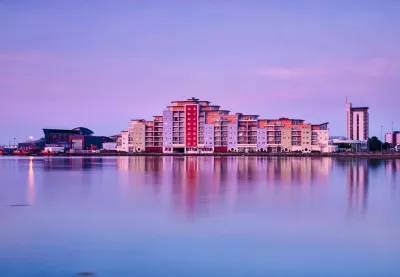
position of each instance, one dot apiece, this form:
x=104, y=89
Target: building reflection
x=77, y=163
x=298, y=171
x=357, y=177
x=199, y=184
x=392, y=170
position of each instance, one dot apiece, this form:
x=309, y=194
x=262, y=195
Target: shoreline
x=372, y=155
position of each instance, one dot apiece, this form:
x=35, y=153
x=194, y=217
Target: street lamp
x=381, y=136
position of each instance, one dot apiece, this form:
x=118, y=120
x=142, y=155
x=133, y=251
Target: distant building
x=355, y=145
x=80, y=138
x=393, y=138
x=62, y=137
x=357, y=122
x=36, y=145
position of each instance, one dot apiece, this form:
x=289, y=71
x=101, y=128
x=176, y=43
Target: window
x=188, y=113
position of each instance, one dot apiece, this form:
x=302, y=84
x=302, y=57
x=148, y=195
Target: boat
x=53, y=150
x=8, y=150
x=20, y=152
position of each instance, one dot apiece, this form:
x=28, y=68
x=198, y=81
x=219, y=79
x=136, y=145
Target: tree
x=386, y=146
x=375, y=144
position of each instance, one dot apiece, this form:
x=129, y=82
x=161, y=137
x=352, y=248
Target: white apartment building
x=357, y=122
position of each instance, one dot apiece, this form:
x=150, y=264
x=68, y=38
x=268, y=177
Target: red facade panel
x=192, y=121
x=221, y=149
x=153, y=149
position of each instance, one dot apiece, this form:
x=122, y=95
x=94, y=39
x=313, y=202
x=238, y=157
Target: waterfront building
x=197, y=126
x=62, y=137
x=122, y=142
x=79, y=138
x=357, y=119
x=35, y=145
x=393, y=138
x=354, y=145
x=82, y=142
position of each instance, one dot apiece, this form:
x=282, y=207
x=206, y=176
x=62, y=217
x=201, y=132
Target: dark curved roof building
x=84, y=131
x=62, y=137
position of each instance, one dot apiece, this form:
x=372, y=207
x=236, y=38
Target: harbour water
x=199, y=216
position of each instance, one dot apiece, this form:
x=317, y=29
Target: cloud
x=375, y=68
x=289, y=73
x=16, y=67
x=20, y=56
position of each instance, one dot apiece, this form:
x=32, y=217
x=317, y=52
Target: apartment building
x=122, y=142
x=393, y=138
x=357, y=122
x=197, y=126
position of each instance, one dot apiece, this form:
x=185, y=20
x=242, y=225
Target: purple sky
x=98, y=64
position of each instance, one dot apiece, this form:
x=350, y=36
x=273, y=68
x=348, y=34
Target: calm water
x=199, y=216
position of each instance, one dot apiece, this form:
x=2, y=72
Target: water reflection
x=31, y=182
x=202, y=183
x=357, y=185
x=79, y=163
x=198, y=184
x=109, y=213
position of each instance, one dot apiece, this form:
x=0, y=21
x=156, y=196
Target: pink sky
x=65, y=64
